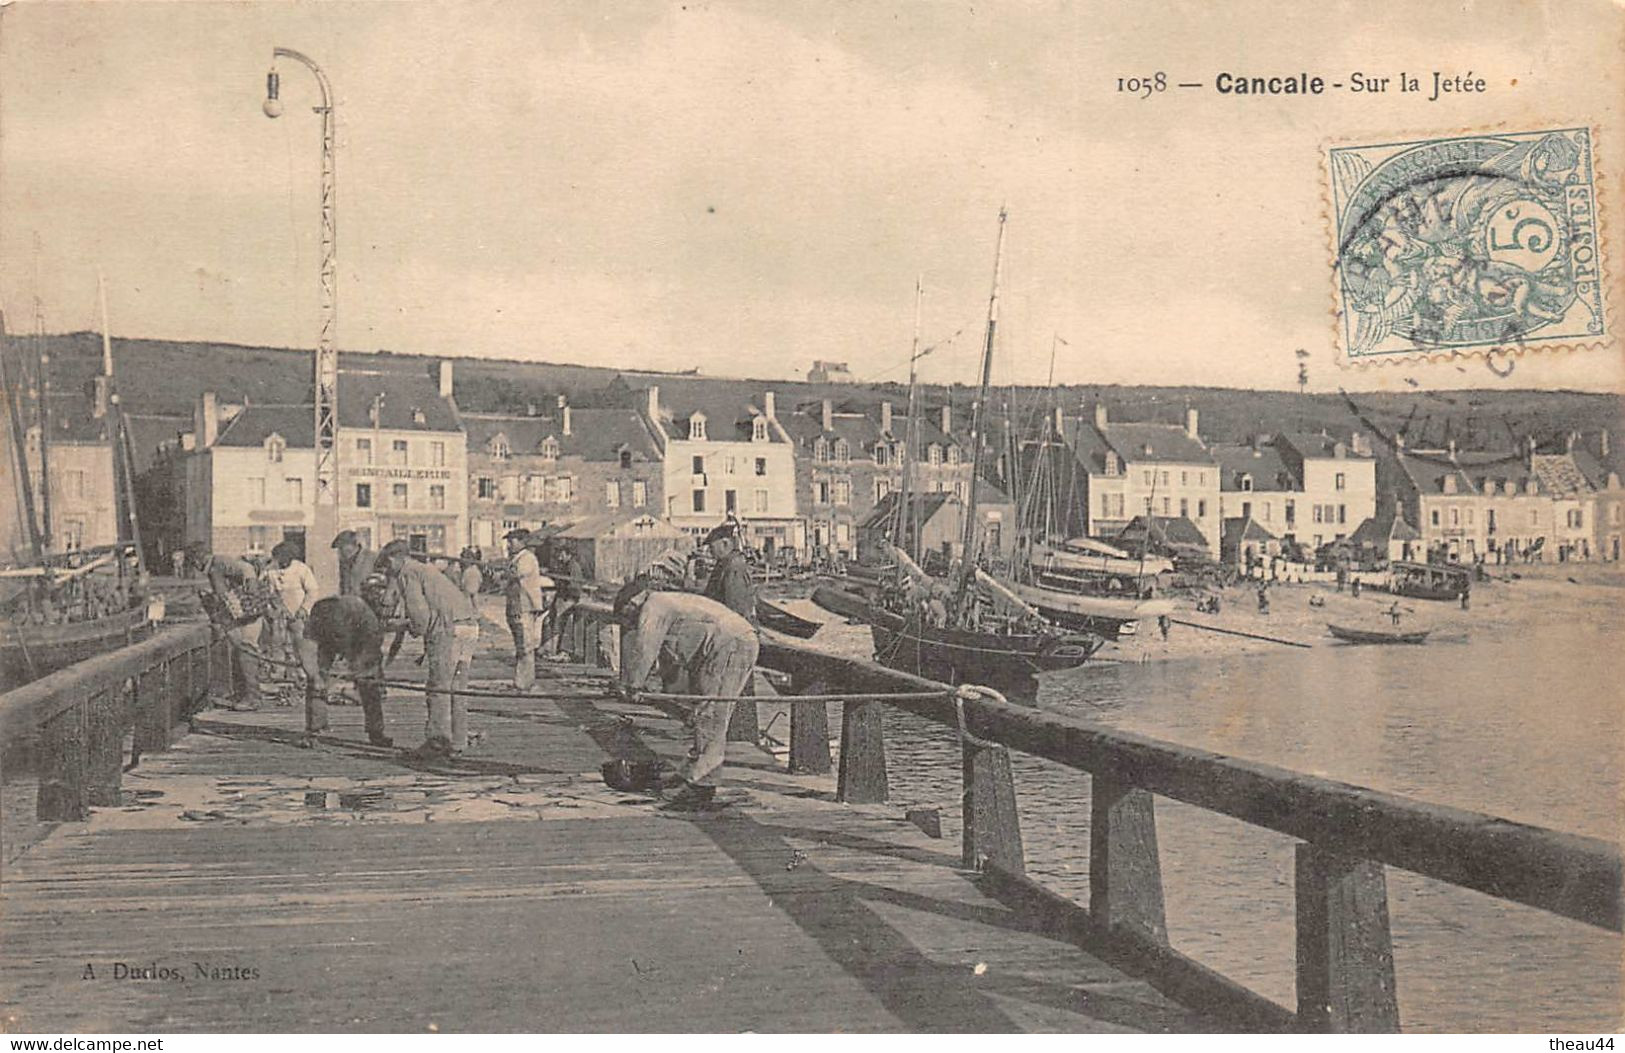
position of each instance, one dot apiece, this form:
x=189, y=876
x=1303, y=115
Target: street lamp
x=319, y=555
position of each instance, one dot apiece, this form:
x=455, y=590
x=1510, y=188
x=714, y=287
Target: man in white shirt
x=294, y=584
x=526, y=605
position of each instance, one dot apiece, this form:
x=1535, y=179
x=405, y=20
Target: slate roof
x=402, y=394
x=1377, y=530
x=1239, y=530
x=1168, y=443
x=1427, y=472
x=1318, y=444
x=1264, y=463
x=1171, y=530
x=254, y=424
x=595, y=434
x=923, y=507
x=150, y=433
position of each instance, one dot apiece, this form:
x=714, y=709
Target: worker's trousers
x=724, y=670
x=450, y=651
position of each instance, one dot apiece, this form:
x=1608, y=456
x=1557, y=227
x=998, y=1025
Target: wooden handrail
x=1567, y=874
x=39, y=701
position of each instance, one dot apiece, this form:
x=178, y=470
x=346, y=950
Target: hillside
x=166, y=377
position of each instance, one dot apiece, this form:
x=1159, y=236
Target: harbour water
x=1518, y=716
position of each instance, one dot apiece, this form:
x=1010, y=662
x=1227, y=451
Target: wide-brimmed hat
x=519, y=532
x=343, y=536
x=726, y=530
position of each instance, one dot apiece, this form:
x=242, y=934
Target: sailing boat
x=955, y=629
x=1079, y=583
x=64, y=606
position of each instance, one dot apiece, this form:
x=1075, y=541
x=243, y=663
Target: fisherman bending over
x=714, y=651
x=237, y=603
x=347, y=626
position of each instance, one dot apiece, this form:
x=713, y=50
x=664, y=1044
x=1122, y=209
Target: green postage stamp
x=1467, y=243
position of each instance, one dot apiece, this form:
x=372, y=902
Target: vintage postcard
x=904, y=517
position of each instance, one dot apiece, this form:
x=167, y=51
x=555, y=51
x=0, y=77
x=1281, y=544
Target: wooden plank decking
x=342, y=889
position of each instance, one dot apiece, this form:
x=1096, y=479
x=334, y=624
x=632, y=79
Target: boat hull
x=1373, y=636
x=772, y=616
x=28, y=652
x=963, y=656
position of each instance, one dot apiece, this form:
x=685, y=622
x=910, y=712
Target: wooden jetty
x=341, y=888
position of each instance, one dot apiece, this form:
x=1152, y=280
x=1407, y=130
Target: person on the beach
x=1393, y=612
x=525, y=606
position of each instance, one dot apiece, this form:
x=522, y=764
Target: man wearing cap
x=729, y=583
x=439, y=613
x=355, y=562
x=238, y=608
x=714, y=651
x=525, y=606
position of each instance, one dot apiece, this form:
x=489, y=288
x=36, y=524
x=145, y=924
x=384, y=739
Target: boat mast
x=905, y=512
x=972, y=535
x=25, y=482
x=118, y=427
x=42, y=367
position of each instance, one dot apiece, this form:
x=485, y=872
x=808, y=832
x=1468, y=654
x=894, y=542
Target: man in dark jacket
x=345, y=626
x=729, y=583
x=355, y=562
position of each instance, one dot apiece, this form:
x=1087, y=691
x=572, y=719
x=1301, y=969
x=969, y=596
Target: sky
x=747, y=187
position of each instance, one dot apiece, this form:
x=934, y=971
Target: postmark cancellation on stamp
x=1471, y=242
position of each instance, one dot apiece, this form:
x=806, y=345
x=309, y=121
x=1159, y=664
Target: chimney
x=207, y=424
x=1399, y=442
x=445, y=379
x=947, y=420
x=1357, y=444
x=885, y=419
x=100, y=395
x=564, y=415
x=1602, y=441
x=828, y=417
x=1101, y=419
x=1258, y=444
x=654, y=406
x=1190, y=422
x=1451, y=447
x=1529, y=451
x=770, y=406
x=1060, y=423
x=1568, y=441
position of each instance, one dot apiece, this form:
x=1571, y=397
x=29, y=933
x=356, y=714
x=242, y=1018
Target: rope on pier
x=1238, y=632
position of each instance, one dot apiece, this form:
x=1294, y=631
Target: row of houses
x=810, y=475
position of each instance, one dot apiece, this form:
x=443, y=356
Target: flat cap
x=342, y=536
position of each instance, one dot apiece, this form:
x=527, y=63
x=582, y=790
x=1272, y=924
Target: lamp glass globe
x=273, y=107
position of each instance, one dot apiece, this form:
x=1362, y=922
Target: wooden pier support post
x=809, y=732
x=153, y=717
x=104, y=746
x=992, y=827
x=744, y=725
x=1345, y=949
x=862, y=777
x=63, y=795
x=1125, y=871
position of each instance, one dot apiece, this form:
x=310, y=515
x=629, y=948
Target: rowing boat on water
x=1376, y=636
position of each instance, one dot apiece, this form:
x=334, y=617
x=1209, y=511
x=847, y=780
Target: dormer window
x=275, y=447
x=499, y=448
x=1113, y=467
x=933, y=454
x=550, y=448
x=758, y=429
x=696, y=426
x=417, y=416
x=953, y=455
x=1449, y=484
x=842, y=451
x=881, y=453
x=820, y=450
x=1245, y=482
x=626, y=459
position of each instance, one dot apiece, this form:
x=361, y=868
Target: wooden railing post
x=1125, y=872
x=152, y=713
x=992, y=828
x=63, y=794
x=862, y=778
x=104, y=746
x=809, y=731
x=1345, y=949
